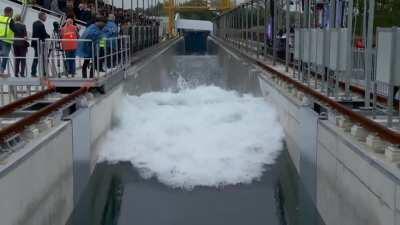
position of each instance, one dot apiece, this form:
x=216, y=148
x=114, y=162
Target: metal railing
x=88, y=61
x=19, y=55
x=143, y=36
x=16, y=80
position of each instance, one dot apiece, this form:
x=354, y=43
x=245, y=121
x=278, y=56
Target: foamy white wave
x=204, y=136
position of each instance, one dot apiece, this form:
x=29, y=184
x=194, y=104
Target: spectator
x=84, y=14
x=38, y=32
x=20, y=46
x=7, y=34
x=111, y=32
x=85, y=50
x=70, y=33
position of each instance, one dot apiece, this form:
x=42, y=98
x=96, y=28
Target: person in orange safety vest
x=70, y=35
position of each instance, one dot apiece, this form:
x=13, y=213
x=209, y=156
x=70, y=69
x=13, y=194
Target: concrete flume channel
x=116, y=194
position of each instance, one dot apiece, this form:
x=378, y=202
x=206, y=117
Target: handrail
x=372, y=126
x=20, y=125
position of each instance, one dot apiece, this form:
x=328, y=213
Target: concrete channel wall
x=349, y=184
x=36, y=183
x=40, y=183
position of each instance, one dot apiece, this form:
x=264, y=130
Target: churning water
x=202, y=136
x=194, y=144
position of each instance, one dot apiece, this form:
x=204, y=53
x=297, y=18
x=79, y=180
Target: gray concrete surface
x=36, y=183
x=351, y=184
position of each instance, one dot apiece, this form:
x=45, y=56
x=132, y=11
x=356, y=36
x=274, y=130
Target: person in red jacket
x=70, y=34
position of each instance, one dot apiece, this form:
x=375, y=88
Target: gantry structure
x=175, y=6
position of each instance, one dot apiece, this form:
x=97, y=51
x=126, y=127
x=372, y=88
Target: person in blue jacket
x=110, y=31
x=94, y=33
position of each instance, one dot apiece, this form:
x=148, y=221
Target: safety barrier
x=143, y=36
x=100, y=60
x=20, y=55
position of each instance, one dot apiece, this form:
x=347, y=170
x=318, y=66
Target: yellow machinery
x=172, y=7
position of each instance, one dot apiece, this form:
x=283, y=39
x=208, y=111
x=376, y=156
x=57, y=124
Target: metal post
x=131, y=11
x=149, y=9
x=309, y=42
x=229, y=17
x=106, y=58
x=158, y=8
x=265, y=27
x=234, y=35
x=299, y=61
x=242, y=12
x=258, y=29
x=233, y=27
x=368, y=52
x=332, y=10
x=238, y=27
x=228, y=26
x=247, y=26
x=92, y=66
x=251, y=27
x=332, y=24
x=274, y=31
x=97, y=57
x=236, y=16
x=120, y=53
x=112, y=54
x=315, y=50
x=287, y=55
x=349, y=70
x=295, y=25
x=112, y=7
x=122, y=7
x=41, y=71
x=391, y=77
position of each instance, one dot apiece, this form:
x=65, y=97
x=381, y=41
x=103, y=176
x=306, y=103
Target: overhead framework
x=172, y=7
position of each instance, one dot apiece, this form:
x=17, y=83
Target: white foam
x=204, y=136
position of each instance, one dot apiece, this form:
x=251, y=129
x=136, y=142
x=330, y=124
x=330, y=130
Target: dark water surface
x=116, y=193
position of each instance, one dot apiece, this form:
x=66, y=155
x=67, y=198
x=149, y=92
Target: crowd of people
x=100, y=28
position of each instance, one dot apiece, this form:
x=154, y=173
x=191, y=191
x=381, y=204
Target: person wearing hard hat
x=6, y=37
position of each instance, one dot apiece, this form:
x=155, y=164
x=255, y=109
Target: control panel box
x=306, y=45
x=338, y=49
x=388, y=56
x=297, y=41
x=322, y=47
x=313, y=45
